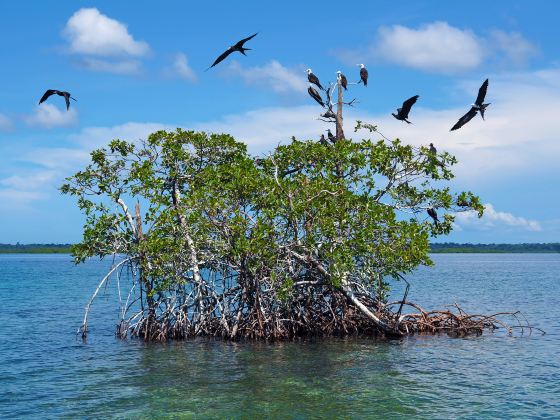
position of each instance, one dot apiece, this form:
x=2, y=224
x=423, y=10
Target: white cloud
x=31, y=181
x=93, y=33
x=49, y=116
x=111, y=66
x=272, y=75
x=90, y=138
x=180, y=68
x=441, y=48
x=516, y=48
x=492, y=217
x=14, y=199
x=436, y=47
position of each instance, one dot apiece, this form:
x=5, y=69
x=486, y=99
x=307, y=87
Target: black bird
x=322, y=140
x=315, y=95
x=237, y=47
x=432, y=213
x=402, y=113
x=67, y=96
x=313, y=79
x=433, y=149
x=478, y=105
x=363, y=74
x=343, y=80
x=328, y=114
x=331, y=137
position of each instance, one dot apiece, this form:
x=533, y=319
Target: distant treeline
x=35, y=248
x=450, y=247
x=438, y=248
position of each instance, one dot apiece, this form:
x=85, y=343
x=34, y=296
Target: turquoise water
x=46, y=372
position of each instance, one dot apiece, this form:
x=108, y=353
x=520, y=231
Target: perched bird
x=402, y=113
x=478, y=105
x=237, y=47
x=322, y=140
x=343, y=80
x=432, y=213
x=67, y=96
x=315, y=95
x=330, y=135
x=433, y=149
x=328, y=114
x=313, y=79
x=363, y=74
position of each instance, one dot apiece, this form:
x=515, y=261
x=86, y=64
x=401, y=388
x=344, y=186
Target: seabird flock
x=402, y=113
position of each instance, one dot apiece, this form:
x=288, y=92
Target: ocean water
x=46, y=371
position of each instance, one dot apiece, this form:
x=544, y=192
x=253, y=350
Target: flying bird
x=363, y=74
x=314, y=79
x=402, y=113
x=343, y=80
x=432, y=213
x=67, y=96
x=315, y=95
x=478, y=105
x=237, y=47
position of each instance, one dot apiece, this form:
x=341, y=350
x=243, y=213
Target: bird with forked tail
x=402, y=113
x=236, y=47
x=67, y=96
x=478, y=105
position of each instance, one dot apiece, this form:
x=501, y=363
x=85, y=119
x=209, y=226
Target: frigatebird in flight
x=237, y=47
x=66, y=95
x=315, y=95
x=432, y=213
x=402, y=113
x=478, y=105
x=343, y=80
x=363, y=74
x=314, y=79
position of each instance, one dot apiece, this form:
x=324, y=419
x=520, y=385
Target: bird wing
x=315, y=95
x=67, y=99
x=407, y=105
x=464, y=119
x=244, y=40
x=482, y=93
x=364, y=75
x=344, y=80
x=221, y=57
x=46, y=95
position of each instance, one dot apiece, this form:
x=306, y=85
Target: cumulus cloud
x=92, y=33
x=49, y=116
x=441, y=48
x=493, y=218
x=272, y=75
x=435, y=46
x=180, y=68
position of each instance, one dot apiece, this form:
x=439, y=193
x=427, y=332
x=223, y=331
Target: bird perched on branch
x=433, y=214
x=313, y=79
x=363, y=74
x=343, y=80
x=433, y=149
x=402, y=113
x=315, y=95
x=67, y=96
x=237, y=47
x=478, y=105
x=322, y=140
x=331, y=137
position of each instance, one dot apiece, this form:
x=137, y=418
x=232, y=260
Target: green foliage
x=358, y=208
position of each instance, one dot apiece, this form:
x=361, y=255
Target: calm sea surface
x=46, y=372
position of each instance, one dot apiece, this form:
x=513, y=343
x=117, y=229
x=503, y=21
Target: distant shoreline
x=436, y=248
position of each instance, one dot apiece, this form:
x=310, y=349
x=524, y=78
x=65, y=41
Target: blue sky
x=139, y=66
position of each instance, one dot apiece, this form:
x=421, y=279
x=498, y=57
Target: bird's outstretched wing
x=221, y=57
x=464, y=119
x=364, y=76
x=407, y=105
x=244, y=40
x=482, y=93
x=67, y=99
x=46, y=95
